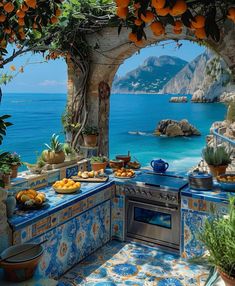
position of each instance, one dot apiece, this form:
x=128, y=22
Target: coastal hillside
x=206, y=78
x=150, y=77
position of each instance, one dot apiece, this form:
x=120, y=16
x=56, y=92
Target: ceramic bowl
x=227, y=185
x=125, y=158
x=22, y=266
x=116, y=164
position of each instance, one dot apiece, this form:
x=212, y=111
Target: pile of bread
x=30, y=197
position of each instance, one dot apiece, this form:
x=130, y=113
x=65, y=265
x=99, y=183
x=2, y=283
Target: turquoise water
x=37, y=116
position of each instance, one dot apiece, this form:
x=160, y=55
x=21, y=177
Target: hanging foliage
x=200, y=17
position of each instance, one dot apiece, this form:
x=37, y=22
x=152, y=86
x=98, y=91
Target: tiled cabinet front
x=70, y=242
x=194, y=212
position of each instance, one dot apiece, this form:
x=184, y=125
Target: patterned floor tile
x=119, y=263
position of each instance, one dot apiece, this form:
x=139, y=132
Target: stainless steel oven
x=152, y=222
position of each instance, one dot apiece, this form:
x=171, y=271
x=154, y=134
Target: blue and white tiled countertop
x=55, y=202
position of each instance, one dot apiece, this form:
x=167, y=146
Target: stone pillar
x=5, y=231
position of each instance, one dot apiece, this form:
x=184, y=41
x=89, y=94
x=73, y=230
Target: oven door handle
x=160, y=207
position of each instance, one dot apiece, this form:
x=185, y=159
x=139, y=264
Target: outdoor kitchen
x=152, y=207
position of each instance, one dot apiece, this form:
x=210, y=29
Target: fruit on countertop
x=91, y=174
x=124, y=173
x=30, y=197
x=229, y=178
x=133, y=165
x=66, y=184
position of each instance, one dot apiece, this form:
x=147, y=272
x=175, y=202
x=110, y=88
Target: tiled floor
x=119, y=263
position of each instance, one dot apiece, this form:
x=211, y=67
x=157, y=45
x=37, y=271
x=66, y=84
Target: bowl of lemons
x=66, y=186
x=30, y=199
x=227, y=182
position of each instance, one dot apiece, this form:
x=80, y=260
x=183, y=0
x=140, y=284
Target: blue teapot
x=159, y=166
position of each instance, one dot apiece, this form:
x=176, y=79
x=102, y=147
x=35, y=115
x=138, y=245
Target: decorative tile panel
x=38, y=182
x=71, y=171
x=53, y=176
x=69, y=243
x=118, y=217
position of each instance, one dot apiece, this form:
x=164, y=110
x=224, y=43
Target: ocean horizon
x=133, y=119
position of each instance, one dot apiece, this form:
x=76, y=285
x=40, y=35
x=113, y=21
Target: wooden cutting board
x=90, y=180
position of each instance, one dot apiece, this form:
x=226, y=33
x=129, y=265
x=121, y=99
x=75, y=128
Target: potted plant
x=218, y=236
x=98, y=163
x=5, y=171
x=90, y=136
x=14, y=161
x=37, y=167
x=217, y=159
x=70, y=153
x=55, y=153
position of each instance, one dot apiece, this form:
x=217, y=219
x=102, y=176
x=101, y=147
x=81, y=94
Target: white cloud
x=52, y=83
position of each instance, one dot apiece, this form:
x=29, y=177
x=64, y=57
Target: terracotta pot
x=229, y=281
x=217, y=170
x=90, y=140
x=14, y=171
x=52, y=157
x=118, y=164
x=99, y=166
x=21, y=267
x=6, y=179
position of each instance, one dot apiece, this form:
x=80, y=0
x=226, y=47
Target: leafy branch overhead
x=200, y=18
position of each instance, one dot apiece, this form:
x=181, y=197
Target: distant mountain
x=207, y=78
x=150, y=77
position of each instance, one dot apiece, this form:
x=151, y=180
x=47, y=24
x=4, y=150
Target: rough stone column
x=5, y=231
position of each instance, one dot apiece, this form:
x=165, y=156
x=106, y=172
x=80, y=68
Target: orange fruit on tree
x=178, y=25
x=24, y=7
x=200, y=33
x=21, y=22
x=231, y=14
x=58, y=12
x=2, y=18
x=20, y=13
x=199, y=22
x=122, y=12
x=54, y=19
x=7, y=31
x=163, y=12
x=177, y=31
x=138, y=22
x=122, y=3
x=148, y=17
x=158, y=4
x=139, y=43
x=31, y=3
x=22, y=35
x=179, y=8
x=8, y=7
x=157, y=28
x=132, y=37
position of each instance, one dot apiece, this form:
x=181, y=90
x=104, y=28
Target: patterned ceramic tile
x=53, y=176
x=69, y=243
x=119, y=263
x=117, y=221
x=38, y=182
x=71, y=171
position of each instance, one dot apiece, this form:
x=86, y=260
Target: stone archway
x=110, y=50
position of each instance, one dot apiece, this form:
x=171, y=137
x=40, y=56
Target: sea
x=133, y=119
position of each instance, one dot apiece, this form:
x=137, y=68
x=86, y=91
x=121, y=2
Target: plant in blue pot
x=159, y=166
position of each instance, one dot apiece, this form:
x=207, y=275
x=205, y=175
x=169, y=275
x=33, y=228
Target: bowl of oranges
x=66, y=186
x=124, y=173
x=227, y=182
x=30, y=199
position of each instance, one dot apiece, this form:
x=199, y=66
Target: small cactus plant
x=55, y=145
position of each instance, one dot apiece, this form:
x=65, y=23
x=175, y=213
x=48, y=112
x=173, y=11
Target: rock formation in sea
x=174, y=128
x=178, y=99
x=207, y=78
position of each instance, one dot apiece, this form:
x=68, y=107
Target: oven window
x=152, y=217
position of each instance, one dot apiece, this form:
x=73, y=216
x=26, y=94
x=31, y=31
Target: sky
x=51, y=77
